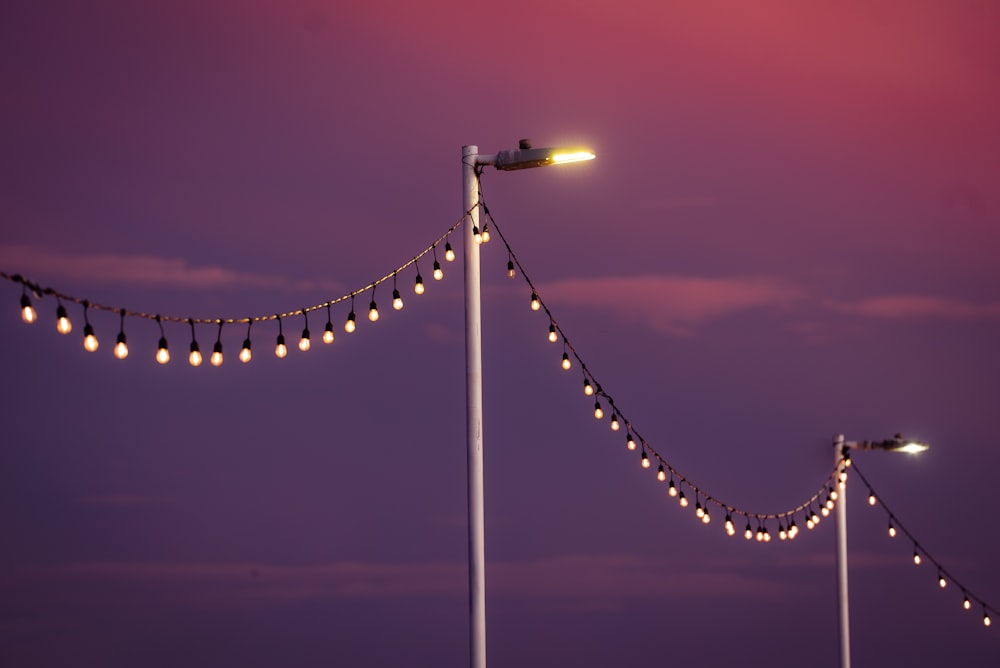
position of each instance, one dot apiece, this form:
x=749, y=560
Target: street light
x=473, y=162
x=841, y=458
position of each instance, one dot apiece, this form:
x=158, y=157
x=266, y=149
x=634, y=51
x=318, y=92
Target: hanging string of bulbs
x=920, y=553
x=91, y=343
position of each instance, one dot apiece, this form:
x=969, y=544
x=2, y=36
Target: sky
x=791, y=232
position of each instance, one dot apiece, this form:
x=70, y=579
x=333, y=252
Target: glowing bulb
x=942, y=582
x=614, y=423
x=793, y=530
x=598, y=411
x=587, y=388
x=661, y=475
x=681, y=499
x=510, y=269
x=847, y=463
x=829, y=502
x=162, y=354
x=90, y=342
x=280, y=349
x=449, y=252
x=28, y=313
x=194, y=357
x=672, y=488
x=645, y=460
x=986, y=619
x=767, y=535
x=810, y=524
x=535, y=303
x=748, y=533
x=730, y=527
x=486, y=234
x=304, y=342
x=833, y=494
x=372, y=311
x=328, y=333
x=815, y=519
x=698, y=510
x=216, y=357
x=63, y=325
x=477, y=236
x=553, y=336
x=782, y=533
x=350, y=325
x=418, y=286
x=760, y=535
x=245, y=354
x=966, y=603
x=438, y=273
x=916, y=557
x=397, y=300
x=892, y=531
x=630, y=442
x=121, y=348
x=871, y=499
x=566, y=364
x=824, y=511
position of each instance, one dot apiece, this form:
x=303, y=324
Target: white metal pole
x=845, y=625
x=474, y=414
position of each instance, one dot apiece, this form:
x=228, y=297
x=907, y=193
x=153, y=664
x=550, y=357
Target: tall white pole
x=474, y=414
x=845, y=625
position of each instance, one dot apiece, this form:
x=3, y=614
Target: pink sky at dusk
x=791, y=231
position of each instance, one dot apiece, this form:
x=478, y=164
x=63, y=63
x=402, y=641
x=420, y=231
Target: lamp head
x=525, y=157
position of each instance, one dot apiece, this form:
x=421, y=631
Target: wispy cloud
x=917, y=306
x=142, y=269
x=673, y=304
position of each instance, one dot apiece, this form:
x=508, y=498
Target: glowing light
x=566, y=364
x=63, y=325
x=782, y=532
x=682, y=500
x=449, y=252
x=304, y=342
x=614, y=423
x=121, y=348
x=706, y=518
x=28, y=313
x=397, y=300
x=730, y=527
x=553, y=336
x=215, y=359
x=748, y=532
x=477, y=236
x=437, y=273
x=698, y=510
x=916, y=557
x=871, y=499
x=486, y=233
x=372, y=311
x=966, y=603
x=535, y=303
x=280, y=349
x=825, y=511
x=162, y=354
x=645, y=460
x=630, y=442
x=90, y=342
x=986, y=618
x=587, y=387
x=661, y=474
x=892, y=530
x=760, y=534
x=194, y=357
x=510, y=269
x=350, y=325
x=941, y=581
x=598, y=411
x=328, y=333
x=418, y=286
x=672, y=488
x=575, y=156
x=245, y=353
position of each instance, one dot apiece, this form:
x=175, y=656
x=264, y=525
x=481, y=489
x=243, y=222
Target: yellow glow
x=418, y=287
x=194, y=359
x=535, y=304
x=63, y=325
x=566, y=364
x=942, y=582
x=373, y=313
x=698, y=510
x=280, y=350
x=90, y=342
x=328, y=334
x=449, y=253
x=986, y=619
x=215, y=359
x=672, y=489
x=553, y=336
x=486, y=234
x=661, y=475
x=871, y=499
x=682, y=500
x=350, y=325
x=916, y=558
x=162, y=355
x=28, y=314
x=824, y=511
x=782, y=533
x=305, y=344
x=245, y=355
x=645, y=460
x=614, y=423
x=810, y=524
x=912, y=447
x=706, y=518
x=575, y=156
x=598, y=411
x=477, y=236
x=587, y=388
x=748, y=533
x=833, y=494
x=892, y=531
x=966, y=603
x=630, y=444
x=121, y=350
x=438, y=273
x=397, y=301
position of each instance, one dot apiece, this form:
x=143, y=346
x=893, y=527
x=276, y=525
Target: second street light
x=841, y=458
x=473, y=162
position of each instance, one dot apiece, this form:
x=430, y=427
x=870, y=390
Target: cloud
x=916, y=306
x=142, y=269
x=672, y=304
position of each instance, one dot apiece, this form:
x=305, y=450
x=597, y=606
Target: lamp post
x=472, y=165
x=841, y=449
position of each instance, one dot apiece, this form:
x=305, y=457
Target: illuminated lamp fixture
x=418, y=285
x=438, y=273
x=629, y=441
x=245, y=353
x=194, y=356
x=536, y=304
x=553, y=336
x=397, y=299
x=614, y=422
x=304, y=342
x=63, y=325
x=215, y=359
x=449, y=252
x=351, y=324
x=328, y=329
x=28, y=312
x=598, y=411
x=121, y=347
x=511, y=273
x=645, y=459
x=90, y=343
x=280, y=349
x=162, y=352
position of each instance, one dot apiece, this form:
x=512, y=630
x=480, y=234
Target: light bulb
x=510, y=269
x=162, y=354
x=916, y=557
x=372, y=311
x=767, y=535
x=793, y=530
x=566, y=364
x=681, y=499
x=587, y=388
x=782, y=533
x=892, y=530
x=438, y=273
x=216, y=357
x=63, y=325
x=829, y=503
x=90, y=342
x=553, y=336
x=280, y=349
x=245, y=354
x=449, y=252
x=661, y=475
x=986, y=618
x=810, y=524
x=121, y=348
x=194, y=357
x=486, y=234
x=942, y=582
x=598, y=411
x=630, y=442
x=748, y=533
x=760, y=535
x=614, y=423
x=698, y=510
x=706, y=518
x=966, y=603
x=672, y=488
x=815, y=519
x=350, y=325
x=871, y=499
x=645, y=460
x=535, y=303
x=328, y=333
x=730, y=527
x=28, y=313
x=304, y=342
x=418, y=286
x=847, y=462
x=477, y=236
x=397, y=300
x=833, y=494
x=825, y=511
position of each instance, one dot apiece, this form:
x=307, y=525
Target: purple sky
x=791, y=231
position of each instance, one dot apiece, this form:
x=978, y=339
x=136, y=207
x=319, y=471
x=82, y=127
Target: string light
x=280, y=349
x=373, y=309
x=477, y=236
x=630, y=442
x=892, y=530
x=90, y=342
x=121, y=348
x=449, y=252
x=730, y=527
x=28, y=313
x=645, y=460
x=328, y=336
x=486, y=233
x=535, y=303
x=63, y=325
x=438, y=272
x=672, y=488
x=162, y=353
x=681, y=499
x=351, y=324
x=661, y=474
x=614, y=422
x=553, y=337
x=215, y=359
x=916, y=557
x=566, y=364
x=748, y=532
x=941, y=581
x=397, y=300
x=304, y=342
x=510, y=267
x=986, y=618
x=598, y=411
x=194, y=357
x=966, y=603
x=871, y=498
x=245, y=353
x=418, y=285
x=588, y=389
